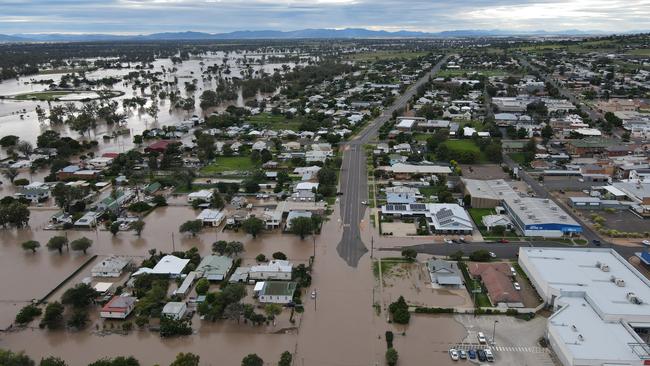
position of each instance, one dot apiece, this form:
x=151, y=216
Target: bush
x=260, y=258
x=391, y=357
x=159, y=200
x=389, y=339
x=425, y=310
x=21, y=182
x=280, y=256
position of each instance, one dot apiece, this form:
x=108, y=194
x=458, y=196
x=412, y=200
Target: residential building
x=204, y=195
x=110, y=267
x=444, y=273
x=214, y=267
x=168, y=265
x=407, y=171
x=442, y=218
x=118, y=307
x=273, y=270
x=174, y=309
x=210, y=217
x=277, y=292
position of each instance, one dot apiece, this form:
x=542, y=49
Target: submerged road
x=354, y=177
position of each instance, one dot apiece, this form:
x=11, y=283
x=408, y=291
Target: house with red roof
x=119, y=307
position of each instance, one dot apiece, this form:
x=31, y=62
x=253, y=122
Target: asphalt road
x=504, y=250
x=354, y=178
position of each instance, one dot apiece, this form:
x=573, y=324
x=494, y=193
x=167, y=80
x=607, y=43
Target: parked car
x=447, y=241
x=471, y=354
x=517, y=287
x=488, y=355
x=481, y=338
x=462, y=354
x=313, y=294
x=504, y=241
x=481, y=355
x=646, y=242
x=454, y=354
x=492, y=255
x=595, y=242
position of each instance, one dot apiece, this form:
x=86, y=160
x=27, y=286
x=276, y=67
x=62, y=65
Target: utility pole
x=494, y=329
x=173, y=244
x=313, y=236
x=372, y=245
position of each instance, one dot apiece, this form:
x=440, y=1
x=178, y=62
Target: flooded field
x=18, y=117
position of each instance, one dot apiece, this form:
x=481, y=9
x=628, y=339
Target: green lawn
x=386, y=55
x=275, y=122
x=457, y=147
x=229, y=163
x=50, y=95
x=478, y=213
x=519, y=158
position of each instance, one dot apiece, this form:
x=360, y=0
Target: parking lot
x=516, y=340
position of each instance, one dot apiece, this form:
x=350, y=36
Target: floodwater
x=19, y=118
x=340, y=327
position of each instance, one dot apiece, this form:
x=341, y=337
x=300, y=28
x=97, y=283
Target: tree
x=117, y=361
x=498, y=230
x=400, y=311
x=78, y=319
x=170, y=327
x=14, y=213
x=52, y=361
x=191, y=226
x=27, y=314
x=114, y=228
x=252, y=360
x=137, y=226
x=260, y=258
x=409, y=254
x=217, y=201
x=31, y=245
x=202, y=286
x=547, y=132
x=186, y=359
x=220, y=247
x=253, y=226
x=234, y=311
x=234, y=248
x=285, y=359
x=15, y=359
x=53, y=317
x=79, y=296
x=480, y=255
x=391, y=357
x=302, y=226
x=81, y=244
x=10, y=173
x=326, y=176
x=272, y=310
x=279, y=256
x=57, y=243
x=25, y=148
x=64, y=195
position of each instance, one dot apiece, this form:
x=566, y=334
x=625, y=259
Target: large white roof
x=170, y=265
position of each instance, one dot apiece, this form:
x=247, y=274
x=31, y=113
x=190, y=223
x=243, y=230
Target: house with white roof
x=273, y=270
x=168, y=265
x=204, y=195
x=442, y=218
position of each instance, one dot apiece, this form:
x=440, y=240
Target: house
x=272, y=219
x=204, y=195
x=210, y=217
x=160, y=146
x=291, y=146
x=214, y=267
x=88, y=220
x=442, y=218
x=405, y=124
x=294, y=215
x=110, y=267
x=313, y=156
x=444, y=273
x=119, y=307
x=304, y=191
x=259, y=146
x=274, y=270
x=497, y=279
x=308, y=172
x=277, y=292
x=407, y=171
x=174, y=310
x=240, y=275
x=168, y=265
x=400, y=198
x=34, y=194
x=185, y=287
x=402, y=148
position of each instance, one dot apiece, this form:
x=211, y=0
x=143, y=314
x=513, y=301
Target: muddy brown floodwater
x=340, y=327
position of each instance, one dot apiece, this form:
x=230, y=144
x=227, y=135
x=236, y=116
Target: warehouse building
x=540, y=217
x=487, y=193
x=600, y=300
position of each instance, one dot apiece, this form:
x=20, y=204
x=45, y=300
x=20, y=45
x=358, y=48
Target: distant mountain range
x=274, y=34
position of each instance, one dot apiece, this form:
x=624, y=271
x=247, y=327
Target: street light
x=494, y=328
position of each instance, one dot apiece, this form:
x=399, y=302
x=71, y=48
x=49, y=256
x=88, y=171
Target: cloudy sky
x=215, y=16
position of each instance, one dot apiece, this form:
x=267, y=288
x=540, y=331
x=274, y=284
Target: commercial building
x=407, y=171
x=487, y=193
x=540, y=217
x=443, y=218
x=600, y=302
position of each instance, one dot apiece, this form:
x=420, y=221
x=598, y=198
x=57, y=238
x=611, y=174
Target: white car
x=646, y=242
x=454, y=354
x=462, y=354
x=492, y=255
x=448, y=241
x=481, y=338
x=313, y=294
x=364, y=202
x=517, y=287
